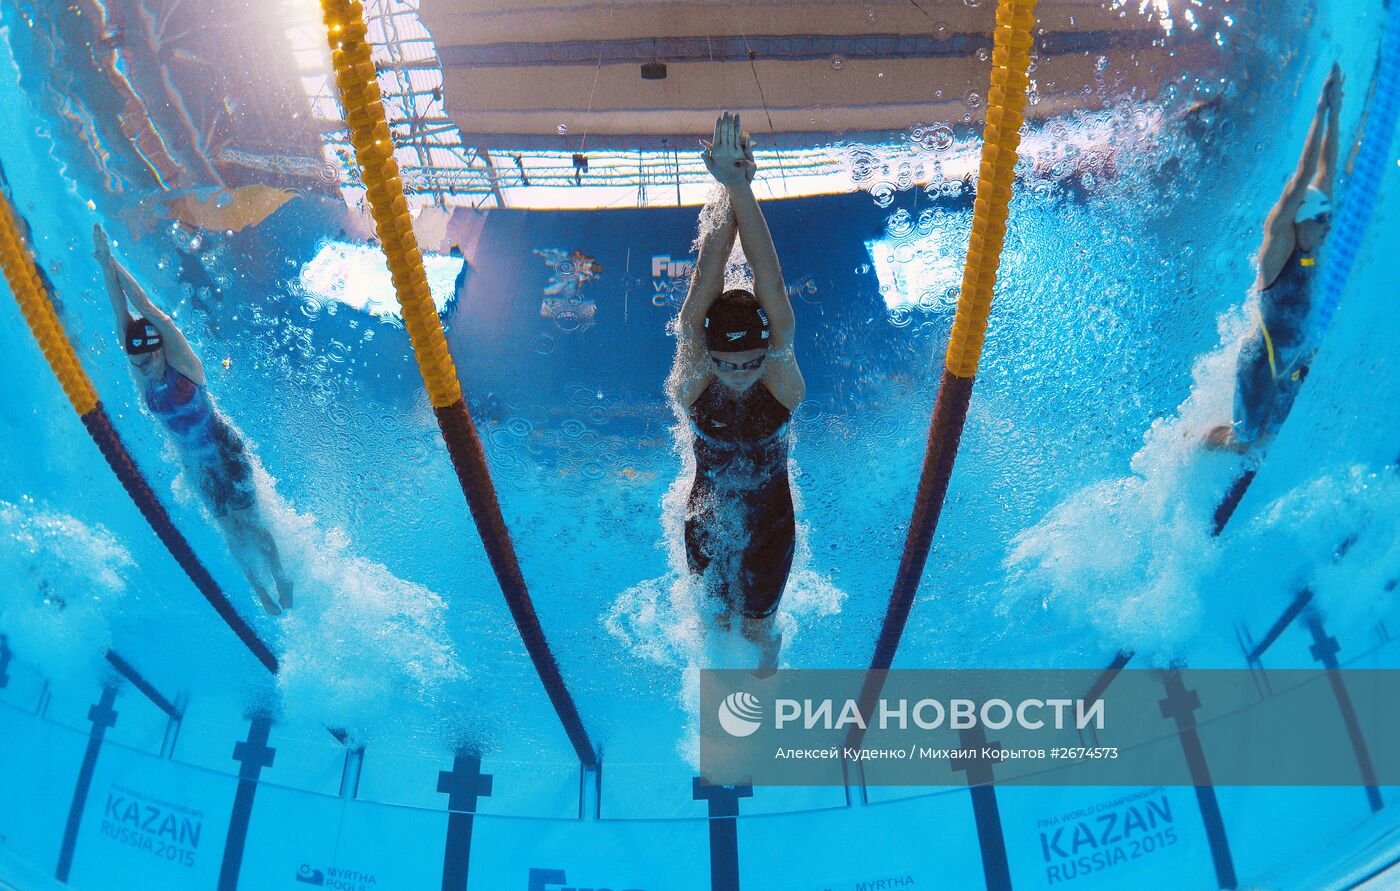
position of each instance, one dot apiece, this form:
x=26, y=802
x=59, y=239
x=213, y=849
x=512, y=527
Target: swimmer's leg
x=237, y=495
x=763, y=634
x=765, y=575
x=267, y=549
x=1254, y=393
x=698, y=558
x=248, y=542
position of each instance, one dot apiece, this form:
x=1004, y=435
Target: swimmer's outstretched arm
x=1279, y=235
x=178, y=351
x=102, y=250
x=1327, y=165
x=729, y=160
x=688, y=376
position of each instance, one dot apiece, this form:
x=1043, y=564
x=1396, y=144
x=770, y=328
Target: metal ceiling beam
x=788, y=48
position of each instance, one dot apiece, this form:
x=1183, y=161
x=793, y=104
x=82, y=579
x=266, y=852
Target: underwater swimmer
x=737, y=382
x=1274, y=360
x=172, y=383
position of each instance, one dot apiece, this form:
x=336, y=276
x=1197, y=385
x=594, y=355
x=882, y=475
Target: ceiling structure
x=566, y=74
x=542, y=102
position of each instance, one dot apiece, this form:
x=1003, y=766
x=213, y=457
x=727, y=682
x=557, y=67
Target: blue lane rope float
x=1364, y=187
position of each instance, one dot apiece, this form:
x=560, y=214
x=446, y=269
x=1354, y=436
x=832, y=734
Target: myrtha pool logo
x=740, y=714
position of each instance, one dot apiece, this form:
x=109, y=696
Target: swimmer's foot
x=269, y=604
x=1222, y=439
x=768, y=658
x=284, y=592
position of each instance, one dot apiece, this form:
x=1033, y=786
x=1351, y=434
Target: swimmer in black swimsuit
x=737, y=382
x=1274, y=360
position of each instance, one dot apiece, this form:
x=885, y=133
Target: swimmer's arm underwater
x=706, y=282
x=103, y=252
x=1327, y=166
x=781, y=375
x=178, y=351
x=1279, y=234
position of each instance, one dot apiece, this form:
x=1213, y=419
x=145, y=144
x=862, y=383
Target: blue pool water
x=1076, y=525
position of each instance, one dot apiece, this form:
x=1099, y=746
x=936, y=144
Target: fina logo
x=740, y=714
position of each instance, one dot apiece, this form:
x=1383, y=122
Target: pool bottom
x=100, y=794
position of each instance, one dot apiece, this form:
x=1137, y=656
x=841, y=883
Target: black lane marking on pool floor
x=253, y=754
x=102, y=716
x=996, y=870
x=125, y=669
x=724, y=831
x=1295, y=608
x=1180, y=705
x=462, y=785
x=1324, y=649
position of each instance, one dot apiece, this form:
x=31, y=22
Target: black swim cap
x=736, y=323
x=141, y=337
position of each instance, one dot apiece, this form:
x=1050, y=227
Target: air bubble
x=863, y=164
x=899, y=223
x=937, y=139
x=573, y=428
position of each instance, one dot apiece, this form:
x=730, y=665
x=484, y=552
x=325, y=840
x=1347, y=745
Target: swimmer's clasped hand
x=729, y=156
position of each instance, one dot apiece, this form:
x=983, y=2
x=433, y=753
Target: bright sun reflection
x=1159, y=11
x=357, y=275
x=921, y=271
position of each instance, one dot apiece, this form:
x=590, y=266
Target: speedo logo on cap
x=737, y=335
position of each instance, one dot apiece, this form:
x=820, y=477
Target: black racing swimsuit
x=1264, y=389
x=739, y=516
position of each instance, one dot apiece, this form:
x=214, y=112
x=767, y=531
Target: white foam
x=1130, y=557
x=359, y=643
x=64, y=578
x=1335, y=533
